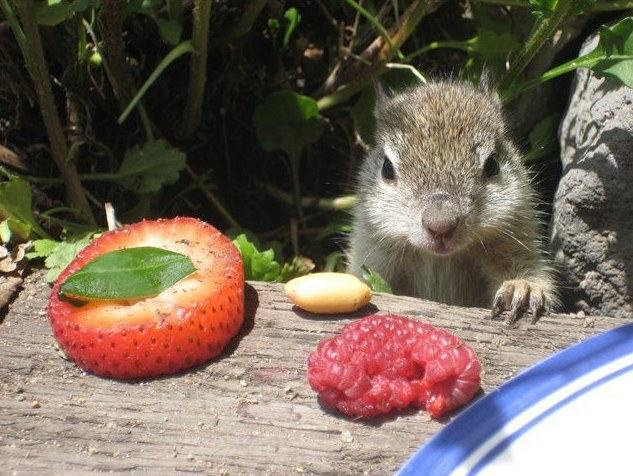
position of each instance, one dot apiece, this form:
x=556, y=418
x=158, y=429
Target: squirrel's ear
x=486, y=80
x=487, y=83
x=382, y=92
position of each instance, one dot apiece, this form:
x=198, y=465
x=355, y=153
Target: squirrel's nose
x=441, y=228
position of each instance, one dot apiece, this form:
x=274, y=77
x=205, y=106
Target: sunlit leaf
x=146, y=169
x=287, y=121
x=127, y=274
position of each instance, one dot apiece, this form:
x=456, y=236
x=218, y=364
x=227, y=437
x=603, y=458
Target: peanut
x=328, y=293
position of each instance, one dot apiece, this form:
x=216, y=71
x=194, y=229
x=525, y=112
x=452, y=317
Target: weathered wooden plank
x=249, y=412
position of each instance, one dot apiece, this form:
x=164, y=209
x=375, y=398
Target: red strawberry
x=185, y=325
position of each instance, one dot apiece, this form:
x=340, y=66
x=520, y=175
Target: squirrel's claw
x=517, y=297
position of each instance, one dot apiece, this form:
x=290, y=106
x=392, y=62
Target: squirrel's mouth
x=440, y=246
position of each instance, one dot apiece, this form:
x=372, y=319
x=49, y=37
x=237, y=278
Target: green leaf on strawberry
x=129, y=273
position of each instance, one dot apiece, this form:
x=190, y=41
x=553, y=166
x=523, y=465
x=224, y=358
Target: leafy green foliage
x=258, y=265
x=542, y=139
x=262, y=266
x=54, y=12
x=58, y=254
x=614, y=52
x=170, y=30
x=293, y=18
x=5, y=231
x=287, y=121
x=128, y=274
x=375, y=281
x=543, y=6
x=338, y=226
x=293, y=48
x=298, y=266
x=613, y=57
x=335, y=262
x=147, y=168
x=16, y=208
x=494, y=48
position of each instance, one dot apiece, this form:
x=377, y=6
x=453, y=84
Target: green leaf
x=42, y=248
x=335, y=262
x=542, y=139
x=614, y=47
x=494, y=46
x=15, y=204
x=127, y=274
x=582, y=6
x=5, y=231
x=287, y=121
x=489, y=18
x=258, y=265
x=337, y=226
x=293, y=17
x=58, y=254
x=54, y=12
x=146, y=169
x=375, y=281
x=170, y=30
x=363, y=115
x=298, y=266
x=544, y=6
x=612, y=57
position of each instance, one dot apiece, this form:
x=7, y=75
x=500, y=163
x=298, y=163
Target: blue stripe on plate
x=499, y=448
x=447, y=449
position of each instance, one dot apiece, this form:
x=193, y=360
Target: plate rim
x=439, y=458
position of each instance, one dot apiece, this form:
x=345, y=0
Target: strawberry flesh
x=185, y=325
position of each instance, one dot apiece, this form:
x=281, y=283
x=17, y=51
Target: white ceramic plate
x=572, y=414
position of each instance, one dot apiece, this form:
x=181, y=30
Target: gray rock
x=592, y=224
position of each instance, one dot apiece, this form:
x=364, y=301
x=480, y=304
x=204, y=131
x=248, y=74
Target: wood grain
x=250, y=412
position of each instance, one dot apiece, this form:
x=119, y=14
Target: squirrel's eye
x=388, y=172
x=491, y=167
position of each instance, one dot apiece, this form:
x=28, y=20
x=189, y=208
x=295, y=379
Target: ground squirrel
x=446, y=210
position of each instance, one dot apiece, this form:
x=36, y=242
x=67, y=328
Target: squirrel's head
x=443, y=172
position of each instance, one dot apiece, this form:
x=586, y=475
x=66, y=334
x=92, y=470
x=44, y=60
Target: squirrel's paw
x=518, y=296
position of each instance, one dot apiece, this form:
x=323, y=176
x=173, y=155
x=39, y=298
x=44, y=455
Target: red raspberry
x=381, y=363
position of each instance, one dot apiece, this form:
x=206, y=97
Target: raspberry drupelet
x=383, y=363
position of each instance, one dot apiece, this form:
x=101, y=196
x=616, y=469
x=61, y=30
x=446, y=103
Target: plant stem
x=174, y=54
x=339, y=203
x=612, y=6
x=456, y=45
x=586, y=61
x=410, y=20
x=38, y=70
x=605, y=6
x=175, y=9
x=111, y=24
x=20, y=37
x=53, y=211
x=215, y=201
x=197, y=68
x=542, y=31
x=376, y=24
x=296, y=185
